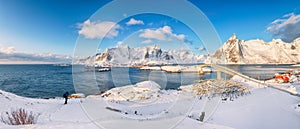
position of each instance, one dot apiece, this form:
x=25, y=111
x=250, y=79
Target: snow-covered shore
x=90, y=112
x=178, y=69
x=146, y=105
x=150, y=68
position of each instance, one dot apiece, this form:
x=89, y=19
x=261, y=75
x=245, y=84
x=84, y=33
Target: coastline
x=54, y=114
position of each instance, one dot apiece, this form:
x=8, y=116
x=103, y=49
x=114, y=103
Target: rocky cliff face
x=236, y=51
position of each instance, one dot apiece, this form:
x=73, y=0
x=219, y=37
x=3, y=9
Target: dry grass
x=19, y=117
x=225, y=88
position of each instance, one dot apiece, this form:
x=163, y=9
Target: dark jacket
x=66, y=95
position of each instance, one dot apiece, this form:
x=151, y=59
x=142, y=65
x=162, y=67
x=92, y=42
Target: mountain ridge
x=236, y=51
x=149, y=55
x=233, y=51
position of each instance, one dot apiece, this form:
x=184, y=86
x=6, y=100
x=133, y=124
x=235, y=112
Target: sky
x=43, y=31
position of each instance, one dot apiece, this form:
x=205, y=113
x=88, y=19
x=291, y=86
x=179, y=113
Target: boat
x=287, y=77
x=282, y=77
x=296, y=65
x=103, y=69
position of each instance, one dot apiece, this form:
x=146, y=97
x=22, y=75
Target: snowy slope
x=236, y=51
x=151, y=55
x=264, y=108
x=54, y=114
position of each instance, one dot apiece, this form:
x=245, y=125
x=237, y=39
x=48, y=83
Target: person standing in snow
x=66, y=95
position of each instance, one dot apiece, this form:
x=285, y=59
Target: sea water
x=46, y=81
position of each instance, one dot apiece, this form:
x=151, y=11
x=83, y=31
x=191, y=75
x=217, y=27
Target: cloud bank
x=9, y=55
x=287, y=27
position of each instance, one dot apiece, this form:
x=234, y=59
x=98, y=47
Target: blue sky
x=50, y=28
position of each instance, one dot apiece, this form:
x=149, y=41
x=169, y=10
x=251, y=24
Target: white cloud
x=8, y=50
x=180, y=37
x=132, y=21
x=288, y=27
x=163, y=34
x=10, y=55
x=99, y=30
x=119, y=43
x=153, y=34
x=147, y=41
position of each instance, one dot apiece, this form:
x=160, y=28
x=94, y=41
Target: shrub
x=19, y=117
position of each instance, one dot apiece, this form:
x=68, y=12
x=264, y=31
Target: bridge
x=219, y=69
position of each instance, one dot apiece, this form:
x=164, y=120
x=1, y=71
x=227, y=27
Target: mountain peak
x=155, y=46
x=233, y=37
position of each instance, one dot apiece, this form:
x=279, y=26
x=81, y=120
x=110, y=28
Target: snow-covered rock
x=236, y=51
x=140, y=91
x=173, y=69
x=185, y=69
x=150, y=68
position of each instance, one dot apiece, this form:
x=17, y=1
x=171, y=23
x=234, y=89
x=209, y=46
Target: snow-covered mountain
x=151, y=55
x=236, y=51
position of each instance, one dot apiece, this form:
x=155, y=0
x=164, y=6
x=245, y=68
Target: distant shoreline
x=140, y=65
